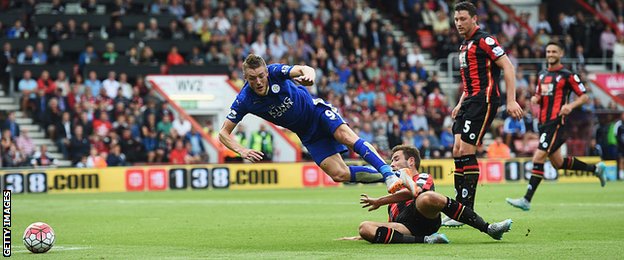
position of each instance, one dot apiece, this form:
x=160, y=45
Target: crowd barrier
x=251, y=176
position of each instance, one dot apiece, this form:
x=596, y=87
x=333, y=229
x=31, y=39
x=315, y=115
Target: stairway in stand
x=8, y=104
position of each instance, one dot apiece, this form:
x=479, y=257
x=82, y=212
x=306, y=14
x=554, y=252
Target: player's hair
x=556, y=43
x=409, y=151
x=253, y=62
x=466, y=6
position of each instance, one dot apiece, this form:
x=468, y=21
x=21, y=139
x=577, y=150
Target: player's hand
x=565, y=110
x=535, y=100
x=251, y=155
x=304, y=80
x=370, y=203
x=514, y=110
x=455, y=111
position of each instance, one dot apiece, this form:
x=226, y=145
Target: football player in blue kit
x=270, y=92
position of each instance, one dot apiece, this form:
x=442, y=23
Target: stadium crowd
x=379, y=84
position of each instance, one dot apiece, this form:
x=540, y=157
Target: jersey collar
x=473, y=33
x=556, y=68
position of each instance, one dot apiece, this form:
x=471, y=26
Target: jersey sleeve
x=279, y=71
x=577, y=86
x=491, y=46
x=238, y=110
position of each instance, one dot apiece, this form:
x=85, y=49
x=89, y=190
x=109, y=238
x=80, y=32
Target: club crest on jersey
x=489, y=41
x=275, y=88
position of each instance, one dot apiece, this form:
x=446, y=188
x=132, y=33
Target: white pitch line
x=55, y=248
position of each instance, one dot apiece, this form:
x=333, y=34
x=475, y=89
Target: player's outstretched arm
x=229, y=142
x=303, y=75
x=513, y=109
x=375, y=203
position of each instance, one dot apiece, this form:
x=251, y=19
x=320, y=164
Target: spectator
x=139, y=34
x=181, y=126
x=27, y=56
x=131, y=146
x=513, y=129
x=95, y=160
x=111, y=85
x=42, y=158
x=93, y=83
x=11, y=125
x=13, y=157
x=56, y=56
x=39, y=54
x=102, y=126
x=117, y=30
x=17, y=31
x=179, y=155
x=110, y=56
x=78, y=145
x=176, y=9
x=165, y=125
x=197, y=149
x=62, y=83
x=116, y=157
x=126, y=88
x=150, y=135
x=153, y=32
x=88, y=56
x=147, y=57
x=498, y=149
x=196, y=57
x=28, y=88
x=25, y=143
x=46, y=83
x=174, y=32
x=174, y=58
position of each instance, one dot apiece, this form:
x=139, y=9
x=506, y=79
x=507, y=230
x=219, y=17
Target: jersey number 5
x=467, y=126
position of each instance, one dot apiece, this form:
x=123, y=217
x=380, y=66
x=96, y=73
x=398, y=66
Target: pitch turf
x=566, y=221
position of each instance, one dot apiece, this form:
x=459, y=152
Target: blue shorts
x=319, y=140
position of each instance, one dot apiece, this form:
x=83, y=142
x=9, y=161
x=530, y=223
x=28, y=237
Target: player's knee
x=426, y=199
x=365, y=229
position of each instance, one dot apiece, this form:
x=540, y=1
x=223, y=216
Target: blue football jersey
x=286, y=104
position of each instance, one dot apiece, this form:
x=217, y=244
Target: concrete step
x=19, y=114
x=53, y=148
x=9, y=107
x=63, y=163
x=23, y=121
x=7, y=100
x=39, y=142
x=58, y=156
x=36, y=135
x=31, y=128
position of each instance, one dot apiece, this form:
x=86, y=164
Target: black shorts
x=473, y=120
x=550, y=139
x=418, y=224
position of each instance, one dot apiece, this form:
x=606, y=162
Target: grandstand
x=379, y=63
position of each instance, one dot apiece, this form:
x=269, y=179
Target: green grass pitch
x=566, y=221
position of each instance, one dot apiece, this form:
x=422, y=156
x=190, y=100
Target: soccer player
x=271, y=93
x=481, y=59
x=552, y=94
x=414, y=212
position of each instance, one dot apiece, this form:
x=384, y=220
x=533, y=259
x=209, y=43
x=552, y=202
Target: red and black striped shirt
x=425, y=182
x=479, y=72
x=553, y=90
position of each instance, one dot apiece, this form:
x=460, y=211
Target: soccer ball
x=39, y=237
